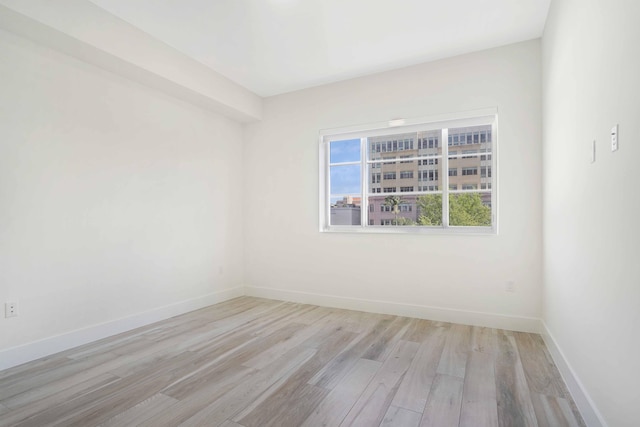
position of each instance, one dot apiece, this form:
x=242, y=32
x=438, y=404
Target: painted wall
x=88, y=32
x=115, y=199
x=286, y=255
x=591, y=69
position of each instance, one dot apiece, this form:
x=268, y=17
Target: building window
x=428, y=175
x=355, y=164
x=389, y=175
x=427, y=162
x=485, y=157
x=406, y=161
x=469, y=171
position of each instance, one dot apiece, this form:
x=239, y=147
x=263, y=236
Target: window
x=405, y=161
x=389, y=175
x=485, y=157
x=469, y=171
x=428, y=175
x=426, y=162
x=355, y=164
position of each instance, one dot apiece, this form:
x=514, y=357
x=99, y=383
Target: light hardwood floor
x=252, y=362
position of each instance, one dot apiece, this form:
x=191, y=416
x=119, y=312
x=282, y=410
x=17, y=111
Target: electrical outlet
x=510, y=286
x=10, y=309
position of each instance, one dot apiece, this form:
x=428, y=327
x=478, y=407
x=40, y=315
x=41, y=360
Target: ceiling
x=276, y=46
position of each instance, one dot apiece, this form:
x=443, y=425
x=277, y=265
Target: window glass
x=393, y=178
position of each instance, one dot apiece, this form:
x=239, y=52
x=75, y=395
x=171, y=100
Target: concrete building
x=469, y=168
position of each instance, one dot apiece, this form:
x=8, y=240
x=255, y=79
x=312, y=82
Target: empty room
x=319, y=213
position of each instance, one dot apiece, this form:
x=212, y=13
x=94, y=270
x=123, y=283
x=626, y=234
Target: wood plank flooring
x=252, y=362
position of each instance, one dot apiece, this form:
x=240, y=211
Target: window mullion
x=364, y=179
x=445, y=177
x=324, y=153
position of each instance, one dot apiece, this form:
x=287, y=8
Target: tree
x=403, y=221
x=465, y=209
x=430, y=208
x=468, y=209
x=394, y=202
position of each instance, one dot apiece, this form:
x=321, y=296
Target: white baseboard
x=587, y=408
x=25, y=353
x=475, y=318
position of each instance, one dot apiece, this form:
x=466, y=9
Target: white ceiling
x=276, y=46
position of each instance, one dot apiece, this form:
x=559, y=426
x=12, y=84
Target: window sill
x=438, y=231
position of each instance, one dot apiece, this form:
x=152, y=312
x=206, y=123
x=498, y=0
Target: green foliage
x=430, y=208
x=394, y=202
x=467, y=209
x=402, y=221
x=464, y=210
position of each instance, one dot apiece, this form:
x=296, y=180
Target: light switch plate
x=593, y=151
x=614, y=138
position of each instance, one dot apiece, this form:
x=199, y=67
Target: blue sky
x=345, y=179
x=345, y=151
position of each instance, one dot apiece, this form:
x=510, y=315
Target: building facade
x=469, y=169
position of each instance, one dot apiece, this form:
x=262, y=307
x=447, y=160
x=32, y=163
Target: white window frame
x=443, y=122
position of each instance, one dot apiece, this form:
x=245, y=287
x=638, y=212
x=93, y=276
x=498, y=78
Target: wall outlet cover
x=614, y=138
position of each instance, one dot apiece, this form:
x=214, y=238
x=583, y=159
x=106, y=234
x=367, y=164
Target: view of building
x=469, y=168
x=346, y=211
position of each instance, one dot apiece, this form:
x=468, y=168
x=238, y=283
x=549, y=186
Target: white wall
x=88, y=32
x=591, y=68
x=115, y=199
x=286, y=256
